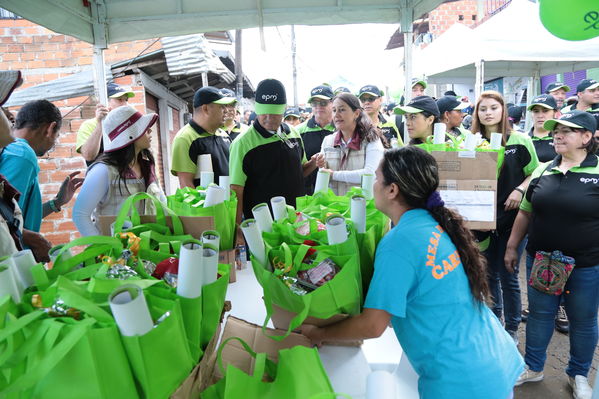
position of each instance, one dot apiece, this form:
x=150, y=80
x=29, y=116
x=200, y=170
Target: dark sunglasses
x=320, y=103
x=365, y=99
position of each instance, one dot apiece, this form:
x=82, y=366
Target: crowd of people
x=461, y=321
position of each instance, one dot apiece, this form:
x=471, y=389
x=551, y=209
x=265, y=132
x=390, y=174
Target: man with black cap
x=587, y=93
x=315, y=129
x=269, y=159
x=292, y=117
x=559, y=92
x=201, y=136
x=392, y=128
x=231, y=125
x=451, y=113
x=89, y=135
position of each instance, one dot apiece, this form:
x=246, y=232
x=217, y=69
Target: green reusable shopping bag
x=298, y=374
x=129, y=211
x=69, y=267
x=224, y=213
x=342, y=294
x=160, y=359
x=63, y=357
x=157, y=247
x=213, y=301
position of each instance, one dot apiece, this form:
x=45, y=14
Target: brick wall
x=447, y=14
x=42, y=56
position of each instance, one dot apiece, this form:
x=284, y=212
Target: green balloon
x=571, y=19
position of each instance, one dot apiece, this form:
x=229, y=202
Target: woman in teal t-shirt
x=430, y=282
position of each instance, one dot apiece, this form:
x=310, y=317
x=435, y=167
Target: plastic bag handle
x=293, y=324
x=161, y=212
x=262, y=363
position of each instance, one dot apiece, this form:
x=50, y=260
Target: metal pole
x=99, y=75
x=204, y=79
x=406, y=24
x=293, y=61
x=238, y=65
x=480, y=78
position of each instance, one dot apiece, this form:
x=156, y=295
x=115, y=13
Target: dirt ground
x=555, y=385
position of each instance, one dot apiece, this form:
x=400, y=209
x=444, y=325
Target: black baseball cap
x=370, y=89
x=450, y=103
x=575, y=119
x=544, y=100
x=271, y=97
x=556, y=86
x=291, y=112
x=450, y=93
x=115, y=91
x=226, y=92
x=390, y=107
x=210, y=95
x=515, y=112
x=419, y=104
x=322, y=92
x=586, y=84
x=341, y=89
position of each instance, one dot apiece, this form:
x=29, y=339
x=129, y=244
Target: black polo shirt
x=191, y=141
x=565, y=210
x=543, y=146
x=519, y=161
x=267, y=166
x=312, y=135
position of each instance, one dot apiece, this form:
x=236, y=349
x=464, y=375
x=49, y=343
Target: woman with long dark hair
x=126, y=167
x=356, y=147
x=421, y=114
x=519, y=161
x=430, y=282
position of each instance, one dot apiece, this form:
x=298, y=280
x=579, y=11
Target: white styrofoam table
x=347, y=367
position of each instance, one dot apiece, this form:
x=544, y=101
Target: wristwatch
x=55, y=208
x=520, y=190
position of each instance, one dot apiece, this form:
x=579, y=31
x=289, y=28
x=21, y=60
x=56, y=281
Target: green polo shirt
x=267, y=166
x=312, y=135
x=593, y=109
x=565, y=210
x=192, y=141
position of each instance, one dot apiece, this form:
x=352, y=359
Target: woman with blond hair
x=519, y=161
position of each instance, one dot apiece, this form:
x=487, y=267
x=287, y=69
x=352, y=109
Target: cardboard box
x=207, y=372
x=282, y=317
x=229, y=257
x=468, y=184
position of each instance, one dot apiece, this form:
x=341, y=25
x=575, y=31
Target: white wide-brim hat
x=9, y=80
x=123, y=125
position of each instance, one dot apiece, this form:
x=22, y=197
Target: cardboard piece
x=207, y=372
x=282, y=317
x=468, y=184
x=229, y=257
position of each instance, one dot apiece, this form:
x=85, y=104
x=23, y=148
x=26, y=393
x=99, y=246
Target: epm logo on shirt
x=449, y=264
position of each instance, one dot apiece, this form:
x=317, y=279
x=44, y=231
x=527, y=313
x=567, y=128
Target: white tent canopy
x=102, y=22
x=112, y=21
x=526, y=48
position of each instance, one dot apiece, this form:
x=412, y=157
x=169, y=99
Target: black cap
x=390, y=107
x=450, y=103
x=291, y=112
x=555, y=86
x=450, y=93
x=210, y=95
x=270, y=97
x=419, y=104
x=515, y=113
x=341, y=89
x=115, y=91
x=586, y=84
x=322, y=92
x=575, y=119
x=226, y=92
x=370, y=89
x=544, y=100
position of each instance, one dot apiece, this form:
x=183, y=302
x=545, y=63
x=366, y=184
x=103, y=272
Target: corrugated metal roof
x=191, y=54
x=76, y=85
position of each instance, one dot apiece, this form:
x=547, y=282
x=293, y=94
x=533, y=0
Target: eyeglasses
x=319, y=103
x=368, y=99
